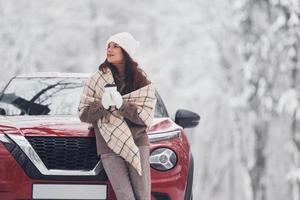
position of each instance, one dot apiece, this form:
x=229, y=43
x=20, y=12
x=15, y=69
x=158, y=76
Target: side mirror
x=186, y=119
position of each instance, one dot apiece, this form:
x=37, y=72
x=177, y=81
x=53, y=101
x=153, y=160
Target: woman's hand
x=106, y=100
x=117, y=99
x=111, y=99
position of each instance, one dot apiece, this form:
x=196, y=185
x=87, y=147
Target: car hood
x=44, y=125
x=65, y=126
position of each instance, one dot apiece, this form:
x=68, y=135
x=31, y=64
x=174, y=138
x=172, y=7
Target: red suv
x=47, y=153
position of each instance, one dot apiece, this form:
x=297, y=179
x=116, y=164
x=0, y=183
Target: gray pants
x=126, y=182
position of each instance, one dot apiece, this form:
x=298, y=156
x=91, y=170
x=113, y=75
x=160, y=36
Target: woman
x=120, y=117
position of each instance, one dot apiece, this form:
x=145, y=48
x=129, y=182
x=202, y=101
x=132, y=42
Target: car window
x=49, y=96
x=160, y=109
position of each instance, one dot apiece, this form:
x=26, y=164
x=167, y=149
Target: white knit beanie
x=126, y=41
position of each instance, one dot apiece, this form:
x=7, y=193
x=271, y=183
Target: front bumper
x=18, y=174
x=16, y=184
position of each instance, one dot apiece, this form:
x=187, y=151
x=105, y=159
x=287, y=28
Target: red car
x=47, y=153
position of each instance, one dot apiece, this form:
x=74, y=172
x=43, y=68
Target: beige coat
x=114, y=127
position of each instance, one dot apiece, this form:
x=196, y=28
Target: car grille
x=66, y=153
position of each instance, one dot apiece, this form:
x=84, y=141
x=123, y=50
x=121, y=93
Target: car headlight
x=163, y=159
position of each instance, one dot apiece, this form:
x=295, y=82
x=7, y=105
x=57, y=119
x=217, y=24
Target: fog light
x=163, y=159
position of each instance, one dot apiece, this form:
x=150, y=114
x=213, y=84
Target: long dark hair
x=135, y=77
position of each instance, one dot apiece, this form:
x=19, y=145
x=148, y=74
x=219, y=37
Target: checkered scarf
x=113, y=127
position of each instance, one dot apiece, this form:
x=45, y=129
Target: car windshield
x=44, y=96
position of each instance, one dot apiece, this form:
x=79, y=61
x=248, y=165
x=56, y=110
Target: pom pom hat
x=126, y=41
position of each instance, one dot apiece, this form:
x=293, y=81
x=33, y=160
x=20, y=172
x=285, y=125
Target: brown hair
x=135, y=76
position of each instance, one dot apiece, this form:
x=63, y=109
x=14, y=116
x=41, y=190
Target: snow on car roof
x=53, y=74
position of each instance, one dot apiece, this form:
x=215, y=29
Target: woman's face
x=114, y=53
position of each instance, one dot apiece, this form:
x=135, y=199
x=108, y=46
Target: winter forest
x=234, y=62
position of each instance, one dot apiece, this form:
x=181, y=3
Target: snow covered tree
x=263, y=68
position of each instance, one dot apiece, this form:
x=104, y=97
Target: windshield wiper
x=27, y=107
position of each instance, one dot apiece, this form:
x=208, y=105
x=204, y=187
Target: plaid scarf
x=113, y=127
